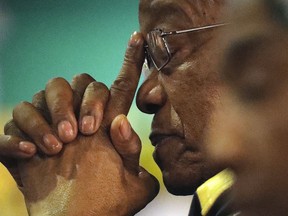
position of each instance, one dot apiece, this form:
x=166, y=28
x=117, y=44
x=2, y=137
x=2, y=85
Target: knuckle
x=96, y=96
x=58, y=109
x=81, y=77
x=11, y=129
x=21, y=111
x=98, y=87
x=41, y=128
x=79, y=85
x=8, y=126
x=123, y=84
x=20, y=107
x=150, y=181
x=80, y=82
x=77, y=96
x=55, y=80
x=90, y=106
x=39, y=94
x=130, y=62
x=129, y=59
x=39, y=99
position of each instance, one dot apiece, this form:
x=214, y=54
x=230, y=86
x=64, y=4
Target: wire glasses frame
x=157, y=49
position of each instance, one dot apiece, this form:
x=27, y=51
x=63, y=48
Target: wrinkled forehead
x=177, y=14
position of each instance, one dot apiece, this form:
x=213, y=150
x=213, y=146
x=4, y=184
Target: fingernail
x=51, y=142
x=134, y=40
x=125, y=129
x=27, y=147
x=65, y=129
x=88, y=124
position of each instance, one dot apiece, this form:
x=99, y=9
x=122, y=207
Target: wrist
x=55, y=203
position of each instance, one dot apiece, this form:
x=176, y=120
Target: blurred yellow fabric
x=11, y=199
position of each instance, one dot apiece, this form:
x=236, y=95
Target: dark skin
x=253, y=112
x=181, y=97
x=109, y=158
x=178, y=125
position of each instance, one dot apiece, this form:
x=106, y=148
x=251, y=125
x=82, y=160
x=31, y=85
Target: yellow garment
x=11, y=199
x=213, y=188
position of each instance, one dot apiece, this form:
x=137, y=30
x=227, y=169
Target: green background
x=54, y=38
x=42, y=39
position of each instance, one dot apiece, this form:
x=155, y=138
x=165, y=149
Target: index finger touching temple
x=124, y=87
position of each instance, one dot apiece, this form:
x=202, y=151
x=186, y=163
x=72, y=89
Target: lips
x=171, y=148
x=157, y=138
x=160, y=139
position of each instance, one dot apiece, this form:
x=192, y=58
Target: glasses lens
x=157, y=49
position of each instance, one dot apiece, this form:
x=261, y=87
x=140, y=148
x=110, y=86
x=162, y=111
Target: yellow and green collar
x=209, y=191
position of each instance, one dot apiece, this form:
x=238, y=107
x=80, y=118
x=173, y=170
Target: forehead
x=177, y=14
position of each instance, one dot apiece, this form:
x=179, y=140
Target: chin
x=182, y=182
x=179, y=190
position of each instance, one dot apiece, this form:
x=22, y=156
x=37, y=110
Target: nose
x=151, y=95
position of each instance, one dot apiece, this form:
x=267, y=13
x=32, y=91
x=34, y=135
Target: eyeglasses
x=156, y=48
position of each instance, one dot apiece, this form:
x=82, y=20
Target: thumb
x=126, y=142
x=124, y=87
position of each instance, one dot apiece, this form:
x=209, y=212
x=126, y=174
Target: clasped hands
x=72, y=150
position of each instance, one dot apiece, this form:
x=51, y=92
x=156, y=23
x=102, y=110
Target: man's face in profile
x=181, y=96
x=251, y=131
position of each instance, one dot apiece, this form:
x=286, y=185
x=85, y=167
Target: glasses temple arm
x=193, y=29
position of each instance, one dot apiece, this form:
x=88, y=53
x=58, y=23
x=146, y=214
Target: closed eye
x=245, y=69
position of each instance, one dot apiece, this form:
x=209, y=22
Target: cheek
x=269, y=147
x=272, y=147
x=192, y=89
x=193, y=100
x=264, y=151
